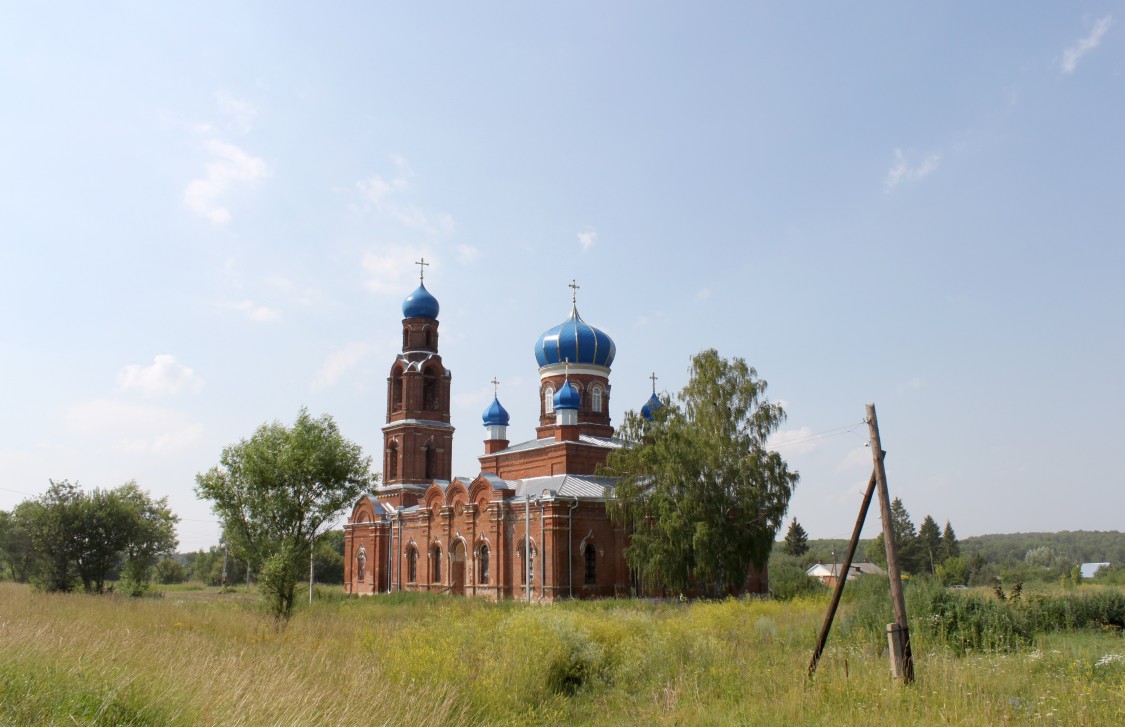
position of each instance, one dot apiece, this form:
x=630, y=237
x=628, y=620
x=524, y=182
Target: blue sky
x=208, y=216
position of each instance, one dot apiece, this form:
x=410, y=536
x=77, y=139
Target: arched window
x=431, y=461
x=429, y=336
x=361, y=563
x=548, y=399
x=396, y=389
x=596, y=399
x=405, y=338
x=411, y=564
x=591, y=565
x=430, y=390
x=482, y=560
x=435, y=556
x=391, y=472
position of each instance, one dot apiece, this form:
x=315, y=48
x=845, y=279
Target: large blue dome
x=567, y=397
x=495, y=414
x=576, y=341
x=420, y=304
x=648, y=411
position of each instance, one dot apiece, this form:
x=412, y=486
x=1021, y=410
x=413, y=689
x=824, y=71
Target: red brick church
x=533, y=523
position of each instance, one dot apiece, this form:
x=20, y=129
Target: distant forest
x=1076, y=546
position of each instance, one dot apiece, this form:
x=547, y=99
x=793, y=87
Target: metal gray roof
x=606, y=442
x=582, y=486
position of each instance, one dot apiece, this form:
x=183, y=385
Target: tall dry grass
x=67, y=659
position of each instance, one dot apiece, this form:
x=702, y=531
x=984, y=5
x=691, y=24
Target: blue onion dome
x=567, y=396
x=495, y=414
x=420, y=304
x=648, y=411
x=576, y=340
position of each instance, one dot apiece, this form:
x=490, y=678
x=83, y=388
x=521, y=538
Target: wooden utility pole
x=838, y=591
x=898, y=633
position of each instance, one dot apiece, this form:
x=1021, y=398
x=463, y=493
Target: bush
x=169, y=571
x=788, y=582
x=869, y=610
x=277, y=583
x=967, y=621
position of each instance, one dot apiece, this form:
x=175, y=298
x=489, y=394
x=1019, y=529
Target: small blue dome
x=420, y=304
x=576, y=341
x=567, y=396
x=495, y=414
x=648, y=411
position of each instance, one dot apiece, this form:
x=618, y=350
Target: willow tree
x=702, y=496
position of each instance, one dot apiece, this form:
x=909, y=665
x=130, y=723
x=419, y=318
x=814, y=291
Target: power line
x=826, y=434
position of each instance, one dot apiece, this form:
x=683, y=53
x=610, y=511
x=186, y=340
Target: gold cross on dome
x=421, y=269
x=653, y=377
x=573, y=292
x=495, y=387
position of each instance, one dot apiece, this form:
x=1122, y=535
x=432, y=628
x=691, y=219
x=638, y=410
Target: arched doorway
x=457, y=568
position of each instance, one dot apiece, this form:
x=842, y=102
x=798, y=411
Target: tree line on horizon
x=977, y=560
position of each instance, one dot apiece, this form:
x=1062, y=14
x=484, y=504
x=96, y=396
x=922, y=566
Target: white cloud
x=255, y=312
x=587, y=239
x=240, y=111
x=380, y=193
x=703, y=294
x=1072, y=55
x=229, y=165
x=858, y=457
x=793, y=441
x=914, y=383
x=164, y=376
x=374, y=189
x=133, y=428
x=902, y=170
x=341, y=362
x=391, y=267
x=467, y=254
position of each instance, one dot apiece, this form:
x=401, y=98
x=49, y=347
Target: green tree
x=796, y=539
x=85, y=537
x=169, y=571
x=275, y=492
x=929, y=544
x=701, y=495
x=950, y=548
x=954, y=572
x=52, y=521
x=328, y=557
x=17, y=552
x=150, y=534
x=101, y=530
x=906, y=541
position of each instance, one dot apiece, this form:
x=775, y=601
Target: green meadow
x=195, y=656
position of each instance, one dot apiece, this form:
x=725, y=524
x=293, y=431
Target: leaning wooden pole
x=902, y=660
x=839, y=589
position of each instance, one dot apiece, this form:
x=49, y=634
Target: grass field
x=199, y=657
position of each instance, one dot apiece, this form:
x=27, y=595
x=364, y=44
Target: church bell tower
x=418, y=438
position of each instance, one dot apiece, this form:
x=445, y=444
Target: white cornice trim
x=559, y=369
x=431, y=423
